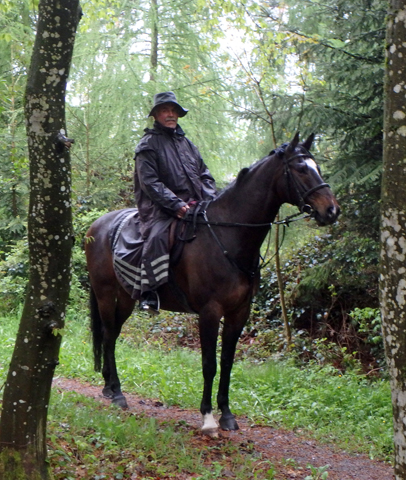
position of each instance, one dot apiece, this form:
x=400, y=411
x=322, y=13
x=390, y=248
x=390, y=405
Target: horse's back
x=102, y=226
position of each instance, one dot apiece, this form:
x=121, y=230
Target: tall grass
x=345, y=409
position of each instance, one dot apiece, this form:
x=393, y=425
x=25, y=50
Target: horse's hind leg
x=232, y=329
x=114, y=311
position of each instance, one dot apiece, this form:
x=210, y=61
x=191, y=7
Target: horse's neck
x=252, y=201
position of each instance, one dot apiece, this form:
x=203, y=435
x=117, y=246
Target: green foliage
x=325, y=280
x=368, y=323
x=346, y=408
x=14, y=267
x=16, y=38
x=112, y=84
x=87, y=440
x=338, y=405
x=81, y=223
x=14, y=276
x=318, y=473
x=324, y=77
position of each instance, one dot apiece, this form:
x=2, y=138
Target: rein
x=286, y=221
x=251, y=273
x=306, y=211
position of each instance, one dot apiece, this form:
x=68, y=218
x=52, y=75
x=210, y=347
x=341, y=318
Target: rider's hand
x=182, y=211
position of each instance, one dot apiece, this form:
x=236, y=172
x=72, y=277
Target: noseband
x=302, y=193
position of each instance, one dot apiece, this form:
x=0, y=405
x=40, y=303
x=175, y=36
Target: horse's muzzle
x=328, y=216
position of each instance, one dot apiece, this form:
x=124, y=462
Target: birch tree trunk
x=28, y=385
x=393, y=225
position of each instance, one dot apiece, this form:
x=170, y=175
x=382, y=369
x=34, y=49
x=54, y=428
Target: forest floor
x=289, y=452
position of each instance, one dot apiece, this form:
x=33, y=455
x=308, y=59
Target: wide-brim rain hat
x=167, y=97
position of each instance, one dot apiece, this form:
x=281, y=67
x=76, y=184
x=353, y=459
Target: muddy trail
x=290, y=453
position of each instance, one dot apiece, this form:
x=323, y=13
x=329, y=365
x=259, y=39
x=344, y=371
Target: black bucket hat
x=167, y=97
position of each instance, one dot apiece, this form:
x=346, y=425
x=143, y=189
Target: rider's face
x=167, y=115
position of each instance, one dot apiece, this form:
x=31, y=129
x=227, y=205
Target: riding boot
x=150, y=302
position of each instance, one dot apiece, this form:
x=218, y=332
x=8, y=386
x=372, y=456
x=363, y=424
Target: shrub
x=14, y=268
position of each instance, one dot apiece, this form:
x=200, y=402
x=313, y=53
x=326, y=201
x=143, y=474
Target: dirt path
x=286, y=450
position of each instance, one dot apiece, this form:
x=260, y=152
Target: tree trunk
x=393, y=226
x=28, y=386
x=154, y=41
x=287, y=330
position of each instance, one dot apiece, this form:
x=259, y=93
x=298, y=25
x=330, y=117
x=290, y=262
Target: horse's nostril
x=333, y=211
x=307, y=209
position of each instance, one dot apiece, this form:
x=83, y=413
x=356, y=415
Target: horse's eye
x=302, y=167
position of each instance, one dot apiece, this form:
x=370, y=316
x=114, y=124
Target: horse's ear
x=293, y=144
x=308, y=143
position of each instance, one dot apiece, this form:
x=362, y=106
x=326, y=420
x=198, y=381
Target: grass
x=346, y=410
x=86, y=442
x=342, y=409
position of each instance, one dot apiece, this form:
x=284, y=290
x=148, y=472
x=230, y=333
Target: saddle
x=127, y=244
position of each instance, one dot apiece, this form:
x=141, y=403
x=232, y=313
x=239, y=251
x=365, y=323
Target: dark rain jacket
x=169, y=173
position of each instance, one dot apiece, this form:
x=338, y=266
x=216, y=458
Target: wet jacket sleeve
x=209, y=190
x=152, y=186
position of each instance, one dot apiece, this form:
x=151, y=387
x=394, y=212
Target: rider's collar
x=171, y=131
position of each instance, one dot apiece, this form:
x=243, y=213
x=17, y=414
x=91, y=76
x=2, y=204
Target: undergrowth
x=86, y=441
x=348, y=408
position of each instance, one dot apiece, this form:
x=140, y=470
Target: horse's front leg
x=233, y=325
x=208, y=327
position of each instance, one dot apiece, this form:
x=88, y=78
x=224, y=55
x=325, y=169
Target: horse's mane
x=245, y=172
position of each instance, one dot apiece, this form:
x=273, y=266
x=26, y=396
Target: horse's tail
x=97, y=331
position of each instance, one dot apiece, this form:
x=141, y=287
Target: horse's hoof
x=228, y=423
x=211, y=432
x=120, y=401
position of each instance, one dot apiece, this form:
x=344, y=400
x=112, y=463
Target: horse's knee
x=209, y=369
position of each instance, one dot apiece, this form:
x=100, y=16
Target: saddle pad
x=126, y=245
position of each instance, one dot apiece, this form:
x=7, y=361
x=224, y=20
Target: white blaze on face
x=312, y=164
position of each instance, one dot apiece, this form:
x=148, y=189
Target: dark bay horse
x=217, y=273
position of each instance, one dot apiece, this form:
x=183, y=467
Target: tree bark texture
x=28, y=385
x=154, y=40
x=288, y=332
x=393, y=225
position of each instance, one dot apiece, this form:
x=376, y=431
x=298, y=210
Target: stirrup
x=149, y=304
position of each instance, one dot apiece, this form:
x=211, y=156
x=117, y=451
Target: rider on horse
x=170, y=176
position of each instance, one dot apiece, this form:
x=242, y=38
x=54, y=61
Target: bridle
x=304, y=208
x=301, y=193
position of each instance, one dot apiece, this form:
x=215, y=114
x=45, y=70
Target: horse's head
x=306, y=188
